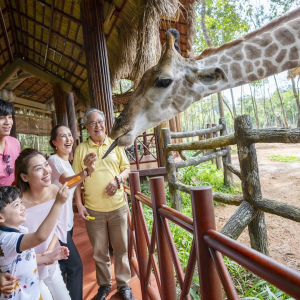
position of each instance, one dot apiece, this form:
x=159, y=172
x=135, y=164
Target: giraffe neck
x=271, y=51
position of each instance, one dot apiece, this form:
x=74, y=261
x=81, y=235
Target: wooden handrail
x=208, y=246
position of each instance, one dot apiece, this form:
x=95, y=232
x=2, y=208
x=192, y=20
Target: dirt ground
x=279, y=181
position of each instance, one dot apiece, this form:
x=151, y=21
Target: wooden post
x=250, y=182
x=60, y=104
x=145, y=142
x=166, y=269
x=96, y=59
x=178, y=126
x=209, y=136
x=204, y=219
x=158, y=154
x=173, y=127
x=175, y=197
x=80, y=121
x=228, y=178
x=160, y=140
x=13, y=131
x=141, y=251
x=72, y=117
x=136, y=152
x=53, y=118
x=218, y=159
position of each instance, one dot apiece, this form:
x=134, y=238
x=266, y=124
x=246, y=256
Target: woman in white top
x=33, y=178
x=62, y=142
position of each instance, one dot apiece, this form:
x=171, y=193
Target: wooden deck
x=90, y=286
x=148, y=168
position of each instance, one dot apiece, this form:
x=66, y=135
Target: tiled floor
x=85, y=250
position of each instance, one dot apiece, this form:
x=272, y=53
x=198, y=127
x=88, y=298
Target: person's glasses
x=9, y=169
x=94, y=123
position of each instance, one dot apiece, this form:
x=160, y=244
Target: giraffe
x=175, y=82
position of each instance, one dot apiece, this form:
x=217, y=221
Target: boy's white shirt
x=20, y=264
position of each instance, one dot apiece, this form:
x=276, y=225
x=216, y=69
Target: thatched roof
x=48, y=34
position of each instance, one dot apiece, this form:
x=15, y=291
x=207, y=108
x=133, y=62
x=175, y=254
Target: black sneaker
x=103, y=291
x=126, y=293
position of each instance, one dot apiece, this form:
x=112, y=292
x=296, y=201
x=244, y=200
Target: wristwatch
x=86, y=172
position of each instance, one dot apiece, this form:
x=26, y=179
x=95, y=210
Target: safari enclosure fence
x=251, y=204
x=207, y=249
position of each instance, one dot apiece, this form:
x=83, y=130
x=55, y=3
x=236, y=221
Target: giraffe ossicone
x=176, y=82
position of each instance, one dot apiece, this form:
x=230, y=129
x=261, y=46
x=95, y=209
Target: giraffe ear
x=207, y=76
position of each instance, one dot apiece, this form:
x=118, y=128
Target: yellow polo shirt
x=106, y=170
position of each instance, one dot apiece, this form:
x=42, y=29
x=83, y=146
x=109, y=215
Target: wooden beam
x=3, y=33
x=20, y=24
x=55, y=64
x=2, y=52
x=53, y=49
x=32, y=108
x=21, y=77
x=46, y=28
x=30, y=103
x=34, y=70
x=13, y=23
x=6, y=36
x=75, y=64
x=9, y=73
x=61, y=12
x=49, y=32
x=15, y=82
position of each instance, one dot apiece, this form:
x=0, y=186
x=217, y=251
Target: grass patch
x=286, y=158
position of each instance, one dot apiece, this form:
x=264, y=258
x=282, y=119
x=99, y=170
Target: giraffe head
x=165, y=90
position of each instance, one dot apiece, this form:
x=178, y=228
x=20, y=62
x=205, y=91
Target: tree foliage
x=224, y=22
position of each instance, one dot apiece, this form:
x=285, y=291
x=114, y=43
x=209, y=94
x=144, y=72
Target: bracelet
x=118, y=182
x=122, y=179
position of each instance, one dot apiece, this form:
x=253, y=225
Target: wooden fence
x=144, y=150
x=251, y=204
x=207, y=248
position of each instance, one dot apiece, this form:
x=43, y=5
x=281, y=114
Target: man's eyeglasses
x=9, y=169
x=94, y=123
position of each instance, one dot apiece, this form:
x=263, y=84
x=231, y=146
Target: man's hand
x=89, y=161
x=82, y=212
x=112, y=188
x=7, y=283
x=63, y=193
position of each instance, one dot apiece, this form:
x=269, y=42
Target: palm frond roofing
x=48, y=34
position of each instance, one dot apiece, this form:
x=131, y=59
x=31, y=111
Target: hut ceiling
x=48, y=34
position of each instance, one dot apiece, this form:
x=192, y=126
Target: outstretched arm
x=51, y=257
x=31, y=240
x=89, y=162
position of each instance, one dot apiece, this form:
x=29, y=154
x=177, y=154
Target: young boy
x=17, y=255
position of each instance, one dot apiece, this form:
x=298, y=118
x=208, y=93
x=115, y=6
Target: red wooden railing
x=144, y=150
x=207, y=249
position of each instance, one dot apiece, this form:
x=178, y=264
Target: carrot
x=73, y=180
x=90, y=217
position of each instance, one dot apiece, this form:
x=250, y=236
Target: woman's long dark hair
x=21, y=167
x=53, y=134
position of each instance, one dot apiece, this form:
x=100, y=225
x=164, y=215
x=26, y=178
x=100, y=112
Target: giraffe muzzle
x=111, y=148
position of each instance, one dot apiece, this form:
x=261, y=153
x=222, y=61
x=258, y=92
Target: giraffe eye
x=163, y=83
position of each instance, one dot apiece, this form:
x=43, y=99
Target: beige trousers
x=113, y=223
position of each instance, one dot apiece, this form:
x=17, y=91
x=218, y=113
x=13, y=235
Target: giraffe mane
x=214, y=50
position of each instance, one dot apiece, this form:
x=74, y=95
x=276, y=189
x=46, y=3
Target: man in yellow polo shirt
x=104, y=200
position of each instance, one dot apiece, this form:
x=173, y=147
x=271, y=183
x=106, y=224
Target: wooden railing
x=207, y=249
x=251, y=204
x=145, y=145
